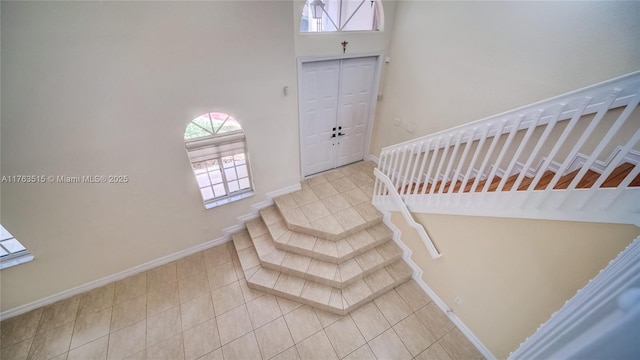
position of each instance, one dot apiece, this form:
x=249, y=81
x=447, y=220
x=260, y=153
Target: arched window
x=216, y=148
x=341, y=15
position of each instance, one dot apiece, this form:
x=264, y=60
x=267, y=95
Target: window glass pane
x=207, y=193
x=227, y=161
x=13, y=245
x=199, y=127
x=242, y=171
x=230, y=174
x=219, y=190
x=216, y=177
x=212, y=165
x=230, y=125
x=240, y=159
x=233, y=186
x=199, y=168
x=203, y=180
x=245, y=184
x=3, y=252
x=4, y=234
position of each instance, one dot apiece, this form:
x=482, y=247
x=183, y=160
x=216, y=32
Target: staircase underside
x=325, y=245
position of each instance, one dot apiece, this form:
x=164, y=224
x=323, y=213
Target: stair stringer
x=619, y=206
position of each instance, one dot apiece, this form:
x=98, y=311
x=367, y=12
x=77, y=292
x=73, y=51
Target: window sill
x=220, y=202
x=15, y=261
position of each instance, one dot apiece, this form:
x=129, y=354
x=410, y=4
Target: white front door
x=336, y=104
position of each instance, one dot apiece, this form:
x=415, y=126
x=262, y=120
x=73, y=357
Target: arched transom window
x=216, y=147
x=341, y=15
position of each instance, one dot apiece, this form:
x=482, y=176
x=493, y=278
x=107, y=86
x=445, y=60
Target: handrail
x=407, y=215
x=485, y=167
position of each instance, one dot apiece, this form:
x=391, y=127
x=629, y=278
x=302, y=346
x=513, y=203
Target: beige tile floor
x=200, y=307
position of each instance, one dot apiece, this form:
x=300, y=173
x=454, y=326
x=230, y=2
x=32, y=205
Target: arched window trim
x=219, y=160
x=339, y=26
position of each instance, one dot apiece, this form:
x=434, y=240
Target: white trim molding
x=417, y=277
x=226, y=236
x=595, y=322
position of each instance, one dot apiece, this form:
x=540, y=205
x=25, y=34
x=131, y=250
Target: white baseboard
x=373, y=158
x=417, y=277
x=255, y=208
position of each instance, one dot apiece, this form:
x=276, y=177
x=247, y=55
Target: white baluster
x=494, y=142
x=452, y=159
x=465, y=152
x=533, y=154
x=434, y=157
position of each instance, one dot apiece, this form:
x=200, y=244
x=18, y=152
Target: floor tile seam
x=399, y=337
x=403, y=341
x=51, y=330
x=285, y=350
x=108, y=333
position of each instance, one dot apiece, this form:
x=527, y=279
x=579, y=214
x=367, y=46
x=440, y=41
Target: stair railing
x=536, y=161
x=383, y=182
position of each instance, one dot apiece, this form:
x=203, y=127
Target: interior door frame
x=374, y=95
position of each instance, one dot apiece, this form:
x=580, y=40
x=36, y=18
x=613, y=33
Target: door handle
x=340, y=134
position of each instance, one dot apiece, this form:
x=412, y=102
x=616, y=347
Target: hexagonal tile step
x=319, y=248
x=332, y=205
x=305, y=267
x=306, y=291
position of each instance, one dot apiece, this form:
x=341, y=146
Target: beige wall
x=456, y=62
x=107, y=88
x=511, y=274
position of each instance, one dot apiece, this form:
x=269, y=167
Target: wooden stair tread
x=587, y=181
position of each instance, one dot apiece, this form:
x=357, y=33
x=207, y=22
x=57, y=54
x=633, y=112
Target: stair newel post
x=604, y=142
x=487, y=157
x=547, y=131
x=427, y=178
x=604, y=108
x=463, y=158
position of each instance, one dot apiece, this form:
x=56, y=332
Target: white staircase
x=573, y=157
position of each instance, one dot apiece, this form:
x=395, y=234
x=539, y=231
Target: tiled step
x=318, y=248
x=335, y=300
x=305, y=267
x=332, y=205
